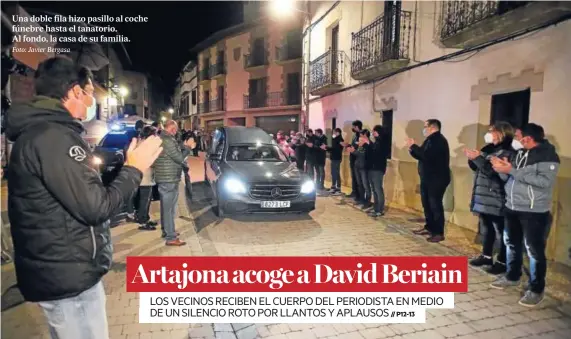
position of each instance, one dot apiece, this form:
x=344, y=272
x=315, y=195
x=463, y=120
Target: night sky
x=162, y=46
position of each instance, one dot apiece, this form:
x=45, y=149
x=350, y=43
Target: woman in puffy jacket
x=488, y=194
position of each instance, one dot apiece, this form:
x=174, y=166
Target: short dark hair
x=319, y=130
x=338, y=130
x=55, y=77
x=378, y=129
x=366, y=133
x=434, y=123
x=148, y=131
x=358, y=123
x=533, y=131
x=155, y=124
x=85, y=77
x=309, y=130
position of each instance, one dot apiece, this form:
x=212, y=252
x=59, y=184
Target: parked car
x=249, y=173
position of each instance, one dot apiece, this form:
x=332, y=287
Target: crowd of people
x=60, y=208
x=368, y=160
x=515, y=173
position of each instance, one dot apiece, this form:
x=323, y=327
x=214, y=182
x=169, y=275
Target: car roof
x=246, y=135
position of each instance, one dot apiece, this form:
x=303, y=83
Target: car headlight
x=97, y=161
x=235, y=186
x=308, y=187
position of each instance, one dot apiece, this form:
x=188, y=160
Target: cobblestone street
x=333, y=229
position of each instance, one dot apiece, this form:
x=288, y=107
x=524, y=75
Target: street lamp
x=286, y=7
x=123, y=91
x=171, y=111
x=163, y=119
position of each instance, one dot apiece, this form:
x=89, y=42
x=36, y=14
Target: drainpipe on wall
x=307, y=71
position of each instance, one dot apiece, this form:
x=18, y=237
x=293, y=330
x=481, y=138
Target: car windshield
x=253, y=152
x=117, y=140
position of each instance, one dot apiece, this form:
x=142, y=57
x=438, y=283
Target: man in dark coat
x=58, y=206
x=434, y=169
x=320, y=158
x=357, y=126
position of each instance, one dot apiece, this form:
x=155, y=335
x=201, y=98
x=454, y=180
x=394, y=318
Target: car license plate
x=276, y=204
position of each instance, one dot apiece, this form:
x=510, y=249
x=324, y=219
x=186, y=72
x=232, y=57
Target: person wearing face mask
x=58, y=206
x=336, y=156
x=516, y=143
x=378, y=157
x=488, y=195
x=86, y=84
x=434, y=170
x=530, y=176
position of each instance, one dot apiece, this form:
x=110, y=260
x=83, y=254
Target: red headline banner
x=297, y=274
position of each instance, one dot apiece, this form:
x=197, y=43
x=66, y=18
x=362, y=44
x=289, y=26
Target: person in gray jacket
x=488, y=195
x=168, y=171
x=530, y=177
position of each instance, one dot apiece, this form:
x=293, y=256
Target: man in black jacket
x=377, y=156
x=336, y=156
x=434, y=169
x=310, y=160
x=320, y=158
x=356, y=128
x=59, y=208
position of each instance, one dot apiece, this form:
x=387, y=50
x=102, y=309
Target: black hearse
x=249, y=173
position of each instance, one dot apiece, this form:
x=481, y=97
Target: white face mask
x=91, y=111
x=425, y=131
x=516, y=145
x=489, y=138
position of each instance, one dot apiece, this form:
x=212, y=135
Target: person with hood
x=530, y=176
x=336, y=156
x=434, y=170
x=58, y=206
x=488, y=195
x=377, y=157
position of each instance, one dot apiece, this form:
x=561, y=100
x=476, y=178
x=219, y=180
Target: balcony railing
x=459, y=15
x=381, y=41
x=204, y=107
x=217, y=69
x=204, y=74
x=288, y=52
x=215, y=105
x=273, y=99
x=328, y=71
x=255, y=59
